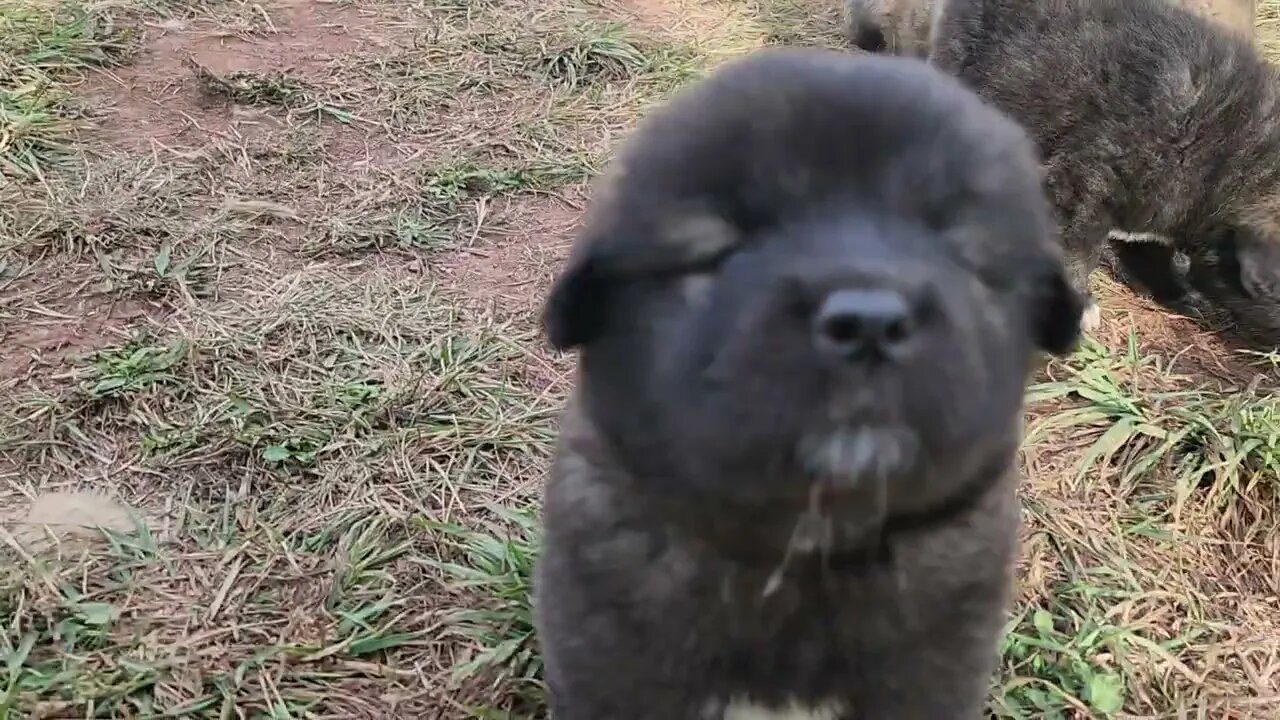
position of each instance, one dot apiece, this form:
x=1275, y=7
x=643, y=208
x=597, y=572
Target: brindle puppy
x=806, y=299
x=1149, y=118
x=1145, y=261
x=902, y=27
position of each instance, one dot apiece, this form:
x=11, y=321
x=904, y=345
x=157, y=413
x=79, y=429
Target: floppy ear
x=577, y=307
x=1057, y=313
x=581, y=299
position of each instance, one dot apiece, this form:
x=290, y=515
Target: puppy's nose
x=863, y=324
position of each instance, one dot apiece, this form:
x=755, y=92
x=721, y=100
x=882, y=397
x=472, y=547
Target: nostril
x=842, y=329
x=859, y=323
x=895, y=331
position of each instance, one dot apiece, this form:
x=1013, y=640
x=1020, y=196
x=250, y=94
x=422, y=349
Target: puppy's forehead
x=792, y=124
x=784, y=131
x=793, y=97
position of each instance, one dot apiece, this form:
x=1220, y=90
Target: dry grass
x=268, y=275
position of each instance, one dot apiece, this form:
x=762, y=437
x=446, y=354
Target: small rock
x=68, y=516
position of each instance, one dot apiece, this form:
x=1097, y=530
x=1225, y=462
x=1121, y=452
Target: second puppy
x=902, y=27
x=1148, y=118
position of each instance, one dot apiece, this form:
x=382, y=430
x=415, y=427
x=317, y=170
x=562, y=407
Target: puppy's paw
x=1091, y=318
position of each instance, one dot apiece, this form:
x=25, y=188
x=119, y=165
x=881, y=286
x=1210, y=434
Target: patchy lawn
x=269, y=274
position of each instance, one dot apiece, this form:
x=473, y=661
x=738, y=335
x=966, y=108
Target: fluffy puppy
x=1144, y=261
x=806, y=299
x=1148, y=118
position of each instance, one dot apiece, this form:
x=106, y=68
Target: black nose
x=863, y=324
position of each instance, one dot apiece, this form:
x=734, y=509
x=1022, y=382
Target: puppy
x=1145, y=261
x=806, y=300
x=1188, y=147
x=902, y=27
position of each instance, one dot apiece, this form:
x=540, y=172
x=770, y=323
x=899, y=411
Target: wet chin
x=852, y=457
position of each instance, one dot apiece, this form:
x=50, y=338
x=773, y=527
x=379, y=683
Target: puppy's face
x=1241, y=275
x=775, y=309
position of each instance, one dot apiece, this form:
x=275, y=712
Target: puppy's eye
x=711, y=262
x=958, y=245
x=698, y=243
x=705, y=267
x=998, y=279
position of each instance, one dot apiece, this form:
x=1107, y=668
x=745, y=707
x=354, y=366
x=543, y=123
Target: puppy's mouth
x=854, y=457
x=850, y=467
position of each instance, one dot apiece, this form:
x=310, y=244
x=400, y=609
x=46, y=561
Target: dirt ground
x=269, y=281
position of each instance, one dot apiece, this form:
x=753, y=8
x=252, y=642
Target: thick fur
x=902, y=27
x=1147, y=261
x=1188, y=147
x=734, y=520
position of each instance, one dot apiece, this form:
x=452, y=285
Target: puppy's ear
x=1259, y=261
x=583, y=297
x=1057, y=314
x=577, y=306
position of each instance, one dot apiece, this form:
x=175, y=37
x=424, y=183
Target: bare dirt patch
x=157, y=101
x=59, y=519
x=511, y=268
x=46, y=336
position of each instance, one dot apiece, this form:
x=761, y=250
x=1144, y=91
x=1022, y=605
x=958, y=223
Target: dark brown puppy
x=806, y=299
x=1149, y=119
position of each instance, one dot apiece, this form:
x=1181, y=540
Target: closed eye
x=956, y=244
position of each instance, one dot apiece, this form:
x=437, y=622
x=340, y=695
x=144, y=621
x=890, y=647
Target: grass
x=1139, y=589
x=498, y=564
x=287, y=316
x=304, y=466
x=1198, y=439
x=41, y=45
